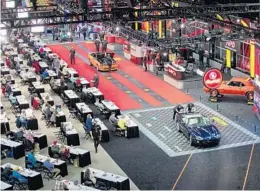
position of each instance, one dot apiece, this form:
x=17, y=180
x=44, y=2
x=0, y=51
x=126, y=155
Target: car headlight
x=218, y=136
x=199, y=138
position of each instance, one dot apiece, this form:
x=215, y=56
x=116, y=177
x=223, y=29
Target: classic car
x=101, y=60
x=236, y=86
x=197, y=128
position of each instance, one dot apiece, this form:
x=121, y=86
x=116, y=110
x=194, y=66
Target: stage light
x=117, y=28
x=37, y=29
x=238, y=20
x=10, y=4
x=165, y=54
x=36, y=21
x=23, y=15
x=182, y=25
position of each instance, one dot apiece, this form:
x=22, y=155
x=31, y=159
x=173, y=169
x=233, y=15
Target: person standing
x=84, y=31
x=104, y=45
x=97, y=43
x=72, y=56
x=56, y=65
x=101, y=36
x=157, y=63
x=96, y=136
x=95, y=80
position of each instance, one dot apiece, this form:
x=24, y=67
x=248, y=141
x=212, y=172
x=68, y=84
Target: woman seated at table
x=36, y=66
x=21, y=120
x=99, y=105
x=7, y=173
x=31, y=161
x=113, y=119
x=45, y=74
x=12, y=99
x=18, y=176
x=121, y=125
x=65, y=153
x=50, y=166
x=8, y=88
x=29, y=136
x=53, y=118
x=47, y=111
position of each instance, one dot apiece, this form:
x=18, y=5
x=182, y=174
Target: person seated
x=18, y=136
x=55, y=148
x=65, y=153
x=23, y=119
x=41, y=51
x=12, y=99
x=52, y=82
x=47, y=112
x=99, y=104
x=78, y=82
x=8, y=88
x=45, y=74
x=7, y=172
x=29, y=136
x=32, y=161
x=53, y=118
x=113, y=119
x=18, y=176
x=50, y=166
x=36, y=66
x=121, y=124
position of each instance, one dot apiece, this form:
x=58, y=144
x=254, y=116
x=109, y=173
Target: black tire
x=213, y=93
x=190, y=140
x=250, y=96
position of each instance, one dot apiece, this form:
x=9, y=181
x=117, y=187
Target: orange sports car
x=102, y=60
x=236, y=86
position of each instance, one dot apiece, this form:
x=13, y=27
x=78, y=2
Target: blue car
x=198, y=129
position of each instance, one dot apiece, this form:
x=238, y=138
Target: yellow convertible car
x=102, y=61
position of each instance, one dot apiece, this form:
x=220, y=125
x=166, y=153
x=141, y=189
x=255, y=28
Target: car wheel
x=250, y=96
x=178, y=127
x=213, y=93
x=191, y=142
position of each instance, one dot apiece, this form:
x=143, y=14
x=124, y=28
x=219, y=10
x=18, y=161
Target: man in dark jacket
x=72, y=56
x=97, y=43
x=104, y=45
x=96, y=134
x=95, y=80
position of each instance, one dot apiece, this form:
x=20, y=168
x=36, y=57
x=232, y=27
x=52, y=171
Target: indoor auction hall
x=130, y=95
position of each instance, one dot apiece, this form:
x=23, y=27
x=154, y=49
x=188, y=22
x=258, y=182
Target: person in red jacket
x=37, y=67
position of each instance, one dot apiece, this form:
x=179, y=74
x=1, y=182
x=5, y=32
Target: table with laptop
x=47, y=98
x=52, y=74
x=8, y=78
x=60, y=118
x=60, y=164
x=69, y=185
x=84, y=110
x=111, y=107
x=5, y=70
x=91, y=94
x=38, y=87
x=104, y=130
x=109, y=179
x=72, y=73
x=5, y=186
x=83, y=82
x=5, y=126
x=73, y=97
x=70, y=133
x=22, y=102
x=83, y=156
x=56, y=87
x=15, y=90
x=28, y=76
x=16, y=148
x=34, y=178
x=132, y=129
x=39, y=138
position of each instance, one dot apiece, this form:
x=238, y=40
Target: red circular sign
x=212, y=78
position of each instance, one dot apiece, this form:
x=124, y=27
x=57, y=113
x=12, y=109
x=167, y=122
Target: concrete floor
x=101, y=160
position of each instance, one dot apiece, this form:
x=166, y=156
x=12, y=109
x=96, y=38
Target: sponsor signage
x=175, y=73
x=232, y=45
x=212, y=78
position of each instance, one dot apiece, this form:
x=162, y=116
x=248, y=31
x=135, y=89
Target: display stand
x=126, y=48
x=136, y=53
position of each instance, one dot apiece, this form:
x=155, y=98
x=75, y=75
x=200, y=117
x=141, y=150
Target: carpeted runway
x=145, y=163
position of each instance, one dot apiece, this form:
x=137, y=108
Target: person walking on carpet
x=72, y=56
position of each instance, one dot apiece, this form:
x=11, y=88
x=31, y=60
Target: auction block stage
x=189, y=83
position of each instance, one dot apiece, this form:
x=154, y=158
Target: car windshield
x=198, y=121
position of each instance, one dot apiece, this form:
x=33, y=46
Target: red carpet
x=168, y=92
x=111, y=92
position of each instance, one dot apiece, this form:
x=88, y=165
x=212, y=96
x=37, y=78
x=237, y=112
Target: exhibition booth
x=257, y=81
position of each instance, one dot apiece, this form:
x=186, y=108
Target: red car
x=236, y=86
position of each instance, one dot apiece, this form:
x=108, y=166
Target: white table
x=22, y=101
x=111, y=106
x=5, y=186
x=71, y=134
x=50, y=100
x=70, y=186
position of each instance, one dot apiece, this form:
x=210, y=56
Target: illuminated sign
x=232, y=45
x=212, y=78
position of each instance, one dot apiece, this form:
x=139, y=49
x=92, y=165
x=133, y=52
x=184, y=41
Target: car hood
x=205, y=132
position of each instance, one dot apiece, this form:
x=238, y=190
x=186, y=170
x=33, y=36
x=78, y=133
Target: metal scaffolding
x=54, y=15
